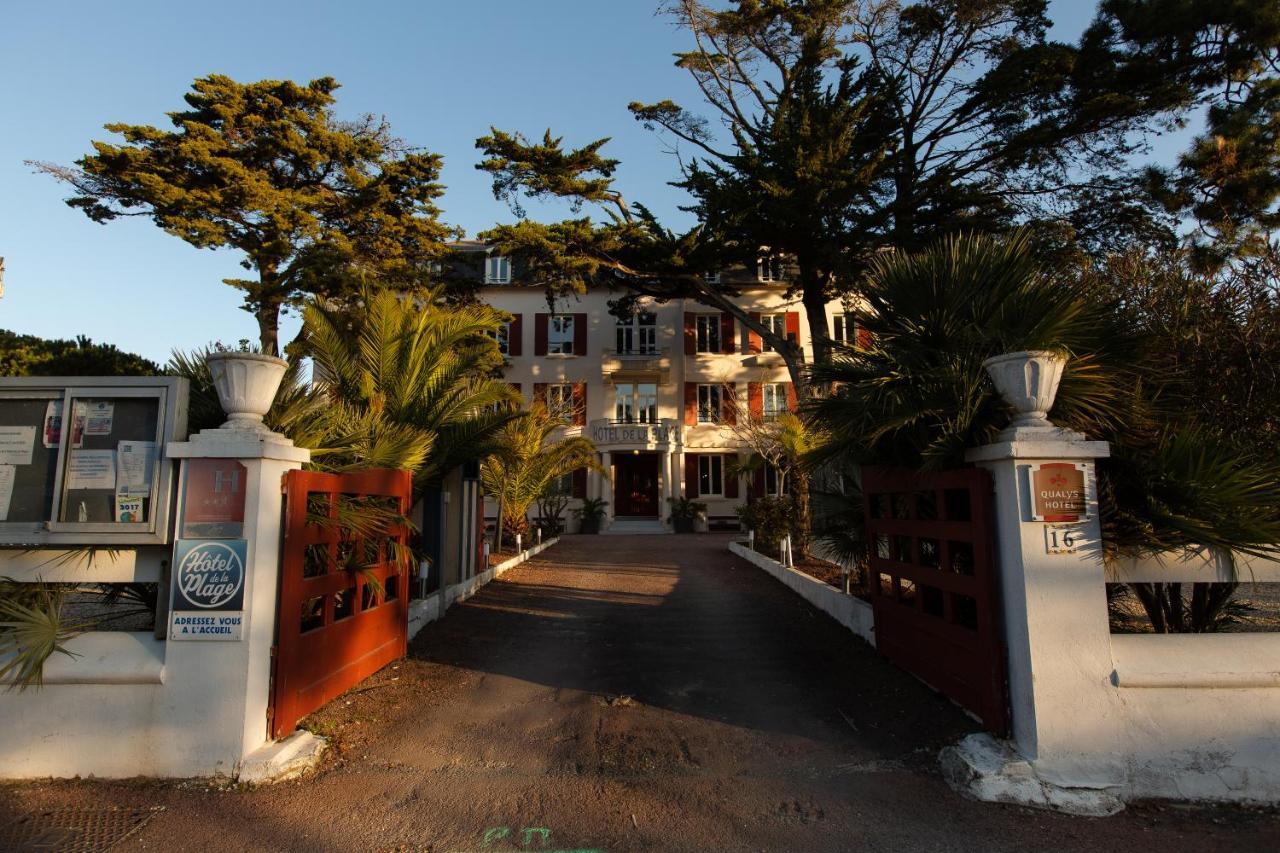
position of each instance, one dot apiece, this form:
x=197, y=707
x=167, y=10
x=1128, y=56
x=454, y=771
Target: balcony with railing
x=637, y=363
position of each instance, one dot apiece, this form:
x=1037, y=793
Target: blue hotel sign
x=208, y=589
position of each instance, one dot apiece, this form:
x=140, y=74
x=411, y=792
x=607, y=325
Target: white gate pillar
x=1054, y=611
x=220, y=689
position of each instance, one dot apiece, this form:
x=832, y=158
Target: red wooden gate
x=343, y=610
x=933, y=583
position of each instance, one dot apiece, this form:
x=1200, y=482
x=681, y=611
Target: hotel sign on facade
x=610, y=434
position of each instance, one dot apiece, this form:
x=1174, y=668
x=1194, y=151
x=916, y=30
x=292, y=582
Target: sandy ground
x=634, y=693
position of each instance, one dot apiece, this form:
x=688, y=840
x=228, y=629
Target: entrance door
x=635, y=485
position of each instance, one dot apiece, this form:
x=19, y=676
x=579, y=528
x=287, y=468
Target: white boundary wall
x=426, y=610
x=1099, y=718
x=132, y=705
x=849, y=610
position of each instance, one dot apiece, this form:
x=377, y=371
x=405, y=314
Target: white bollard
x=519, y=545
x=751, y=539
x=539, y=535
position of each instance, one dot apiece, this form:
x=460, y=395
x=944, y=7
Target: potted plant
x=685, y=513
x=590, y=514
x=246, y=382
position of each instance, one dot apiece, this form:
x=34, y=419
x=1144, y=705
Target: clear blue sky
x=441, y=72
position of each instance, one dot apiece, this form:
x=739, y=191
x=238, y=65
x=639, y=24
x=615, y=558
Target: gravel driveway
x=634, y=693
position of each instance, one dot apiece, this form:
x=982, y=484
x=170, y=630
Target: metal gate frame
x=334, y=627
x=934, y=585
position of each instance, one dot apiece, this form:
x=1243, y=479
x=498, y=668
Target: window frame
x=503, y=262
x=634, y=336
x=776, y=323
x=778, y=392
x=562, y=408
x=502, y=335
x=714, y=463
x=717, y=391
x=848, y=328
x=560, y=337
x=702, y=335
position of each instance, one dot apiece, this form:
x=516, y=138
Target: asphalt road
x=634, y=693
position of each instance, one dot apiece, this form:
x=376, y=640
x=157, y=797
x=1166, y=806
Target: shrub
x=771, y=519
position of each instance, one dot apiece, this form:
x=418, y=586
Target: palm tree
x=784, y=443
x=918, y=396
x=407, y=383
x=527, y=461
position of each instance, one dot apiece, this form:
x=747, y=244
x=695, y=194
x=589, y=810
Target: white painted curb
x=849, y=610
x=424, y=611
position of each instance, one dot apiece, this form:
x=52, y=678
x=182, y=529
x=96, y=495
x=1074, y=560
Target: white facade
x=633, y=388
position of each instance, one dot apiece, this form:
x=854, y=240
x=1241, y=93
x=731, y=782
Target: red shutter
x=864, y=338
x=579, y=334
x=757, y=482
x=791, y=397
x=580, y=483
x=579, y=404
x=729, y=404
x=540, y=322
x=690, y=333
x=540, y=393
x=727, y=338
x=515, y=336
x=792, y=320
x=754, y=344
x=730, y=480
x=691, y=475
x=755, y=400
x=690, y=403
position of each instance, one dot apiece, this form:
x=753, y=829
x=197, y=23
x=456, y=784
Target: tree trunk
x=815, y=310
x=803, y=520
x=268, y=316
x=497, y=533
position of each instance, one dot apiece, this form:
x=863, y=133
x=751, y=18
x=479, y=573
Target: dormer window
x=712, y=276
x=769, y=268
x=497, y=270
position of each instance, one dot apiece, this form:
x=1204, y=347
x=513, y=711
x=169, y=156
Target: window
x=775, y=399
x=497, y=270
x=638, y=334
x=647, y=403
x=560, y=334
x=710, y=474
x=772, y=478
x=712, y=276
x=560, y=402
x=708, y=333
x=623, y=402
x=636, y=403
x=769, y=269
x=503, y=337
x=844, y=329
x=776, y=323
x=709, y=400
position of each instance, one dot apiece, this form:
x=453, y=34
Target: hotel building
x=658, y=392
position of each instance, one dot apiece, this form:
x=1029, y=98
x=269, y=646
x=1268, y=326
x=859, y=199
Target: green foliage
x=685, y=509
x=28, y=355
x=405, y=383
x=592, y=510
x=919, y=396
x=1178, y=478
x=528, y=459
x=773, y=519
x=266, y=168
x=32, y=629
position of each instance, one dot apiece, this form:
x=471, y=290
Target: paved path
x=636, y=693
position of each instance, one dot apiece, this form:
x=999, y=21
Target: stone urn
x=246, y=383
x=1028, y=381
